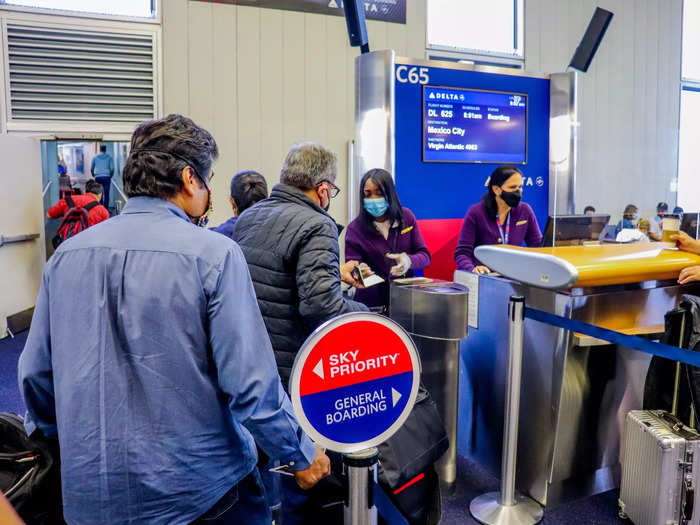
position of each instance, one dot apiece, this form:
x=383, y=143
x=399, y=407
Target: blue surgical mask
x=636, y=216
x=376, y=207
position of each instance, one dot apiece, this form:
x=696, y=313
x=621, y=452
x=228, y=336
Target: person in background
x=678, y=211
x=630, y=216
x=385, y=236
x=655, y=223
x=247, y=188
x=93, y=192
x=291, y=246
x=158, y=388
x=102, y=169
x=589, y=210
x=499, y=218
x=639, y=234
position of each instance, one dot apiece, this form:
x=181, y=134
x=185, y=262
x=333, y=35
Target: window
x=691, y=40
x=689, y=128
x=476, y=27
x=135, y=8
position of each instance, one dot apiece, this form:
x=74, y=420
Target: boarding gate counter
x=576, y=390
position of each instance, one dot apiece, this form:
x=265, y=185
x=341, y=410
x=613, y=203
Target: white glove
x=403, y=263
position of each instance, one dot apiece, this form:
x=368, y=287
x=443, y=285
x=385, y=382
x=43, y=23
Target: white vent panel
x=71, y=74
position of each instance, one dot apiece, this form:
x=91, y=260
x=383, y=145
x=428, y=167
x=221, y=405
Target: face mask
x=376, y=207
x=512, y=198
x=203, y=220
x=635, y=217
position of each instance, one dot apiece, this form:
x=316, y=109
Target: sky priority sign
x=355, y=381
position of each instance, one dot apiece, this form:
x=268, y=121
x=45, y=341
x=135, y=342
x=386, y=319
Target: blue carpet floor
x=472, y=479
x=10, y=399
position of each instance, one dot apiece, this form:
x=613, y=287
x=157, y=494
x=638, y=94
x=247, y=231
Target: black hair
x=498, y=177
x=629, y=212
x=385, y=183
x=92, y=186
x=160, y=150
x=103, y=148
x=247, y=188
x=589, y=208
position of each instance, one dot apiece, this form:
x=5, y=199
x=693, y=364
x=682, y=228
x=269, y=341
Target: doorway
x=67, y=165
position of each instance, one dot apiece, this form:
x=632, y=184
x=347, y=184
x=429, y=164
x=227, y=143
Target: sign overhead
x=354, y=381
x=384, y=10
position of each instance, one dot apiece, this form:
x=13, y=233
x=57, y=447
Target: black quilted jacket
x=291, y=246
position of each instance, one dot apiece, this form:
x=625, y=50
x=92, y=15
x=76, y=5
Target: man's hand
x=346, y=273
x=319, y=469
x=481, y=270
x=686, y=242
x=689, y=275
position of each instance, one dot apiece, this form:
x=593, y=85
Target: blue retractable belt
x=386, y=508
x=630, y=341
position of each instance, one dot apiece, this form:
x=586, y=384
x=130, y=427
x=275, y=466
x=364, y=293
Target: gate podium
x=353, y=384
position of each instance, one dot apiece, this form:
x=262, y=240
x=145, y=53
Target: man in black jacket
x=291, y=246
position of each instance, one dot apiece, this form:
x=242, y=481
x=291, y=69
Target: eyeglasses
x=204, y=181
x=335, y=190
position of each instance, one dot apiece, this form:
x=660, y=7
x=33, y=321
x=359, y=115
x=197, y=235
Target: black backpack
x=29, y=473
x=74, y=221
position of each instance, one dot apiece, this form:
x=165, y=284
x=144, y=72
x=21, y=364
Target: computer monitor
x=571, y=229
x=689, y=224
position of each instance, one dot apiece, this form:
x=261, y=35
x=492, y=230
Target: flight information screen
x=468, y=125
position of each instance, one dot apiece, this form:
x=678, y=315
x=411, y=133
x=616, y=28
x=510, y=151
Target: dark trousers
x=245, y=503
x=106, y=183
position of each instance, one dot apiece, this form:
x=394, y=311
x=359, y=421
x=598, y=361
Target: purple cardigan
x=478, y=229
x=371, y=248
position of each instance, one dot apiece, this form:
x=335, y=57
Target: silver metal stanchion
x=506, y=507
x=362, y=474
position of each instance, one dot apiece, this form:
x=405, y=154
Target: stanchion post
x=506, y=507
x=361, y=469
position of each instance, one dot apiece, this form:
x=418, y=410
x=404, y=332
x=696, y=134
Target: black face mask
x=512, y=198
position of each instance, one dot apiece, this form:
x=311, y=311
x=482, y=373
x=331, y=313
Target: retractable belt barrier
x=507, y=507
x=629, y=341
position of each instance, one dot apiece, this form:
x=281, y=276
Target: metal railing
x=11, y=239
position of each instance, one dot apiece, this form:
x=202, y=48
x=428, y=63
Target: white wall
x=21, y=210
x=262, y=79
x=628, y=99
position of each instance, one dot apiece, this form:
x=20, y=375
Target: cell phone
x=368, y=281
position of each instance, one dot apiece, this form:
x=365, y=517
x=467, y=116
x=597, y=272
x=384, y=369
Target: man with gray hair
x=291, y=246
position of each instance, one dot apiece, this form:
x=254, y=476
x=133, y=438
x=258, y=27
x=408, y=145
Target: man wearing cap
x=655, y=221
x=159, y=404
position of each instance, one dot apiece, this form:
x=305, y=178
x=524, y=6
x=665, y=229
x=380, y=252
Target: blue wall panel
x=446, y=190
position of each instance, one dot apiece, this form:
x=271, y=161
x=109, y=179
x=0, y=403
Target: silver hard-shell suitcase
x=659, y=470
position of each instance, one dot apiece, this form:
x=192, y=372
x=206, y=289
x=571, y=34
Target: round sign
x=354, y=381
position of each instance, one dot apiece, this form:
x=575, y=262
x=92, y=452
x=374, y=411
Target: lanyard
x=504, y=235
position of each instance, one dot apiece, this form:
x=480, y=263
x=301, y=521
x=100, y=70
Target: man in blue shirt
x=102, y=168
x=149, y=360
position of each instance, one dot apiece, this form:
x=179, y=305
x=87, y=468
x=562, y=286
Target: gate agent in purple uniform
x=385, y=236
x=499, y=218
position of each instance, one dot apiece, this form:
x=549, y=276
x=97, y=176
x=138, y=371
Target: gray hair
x=307, y=164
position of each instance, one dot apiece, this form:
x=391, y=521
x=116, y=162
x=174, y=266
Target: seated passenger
x=639, y=234
x=589, y=210
x=655, y=223
x=247, y=188
x=630, y=216
x=385, y=236
x=93, y=194
x=158, y=388
x=499, y=218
